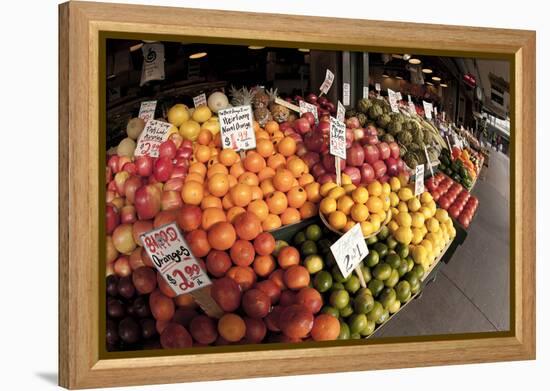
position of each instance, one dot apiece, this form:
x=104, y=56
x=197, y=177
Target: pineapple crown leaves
x=272, y=93
x=240, y=97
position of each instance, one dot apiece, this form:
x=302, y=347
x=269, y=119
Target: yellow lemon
x=432, y=224
x=394, y=199
x=374, y=188
x=337, y=220
x=375, y=204
x=346, y=179
x=402, y=206
x=394, y=211
x=386, y=189
x=427, y=244
x=432, y=206
x=404, y=219
x=393, y=226
x=212, y=125
x=344, y=204
x=326, y=187
x=349, y=188
x=375, y=221
x=367, y=228
x=424, y=230
x=417, y=220
x=425, y=211
x=395, y=184
x=426, y=197
x=405, y=194
x=419, y=254
x=190, y=130
x=413, y=204
x=386, y=202
x=441, y=215
x=336, y=192
x=327, y=205
x=202, y=114
x=417, y=235
x=359, y=212
x=403, y=235
x=360, y=195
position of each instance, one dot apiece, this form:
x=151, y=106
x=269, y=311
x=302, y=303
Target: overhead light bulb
x=399, y=77
x=194, y=56
x=406, y=57
x=414, y=61
x=304, y=50
x=429, y=83
x=443, y=85
x=427, y=70
x=251, y=47
x=436, y=78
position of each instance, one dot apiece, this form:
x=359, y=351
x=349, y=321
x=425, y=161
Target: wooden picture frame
x=81, y=160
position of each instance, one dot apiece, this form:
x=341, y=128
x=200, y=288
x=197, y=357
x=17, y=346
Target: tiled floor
x=471, y=293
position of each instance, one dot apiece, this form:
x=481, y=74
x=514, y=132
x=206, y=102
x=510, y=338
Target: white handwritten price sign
x=428, y=160
x=346, y=94
x=350, y=250
x=365, y=92
x=173, y=259
x=147, y=110
x=237, y=128
x=337, y=138
x=309, y=108
x=327, y=83
x=341, y=112
x=398, y=95
x=412, y=107
x=154, y=133
x=428, y=108
x=419, y=180
x=392, y=97
x=377, y=87
x=199, y=100
x=286, y=104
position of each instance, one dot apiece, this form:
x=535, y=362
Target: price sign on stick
x=199, y=100
x=398, y=96
x=237, y=128
x=350, y=250
x=392, y=97
x=337, y=144
x=309, y=108
x=427, y=109
x=341, y=112
x=346, y=93
x=435, y=112
x=365, y=92
x=377, y=87
x=419, y=180
x=327, y=83
x=154, y=133
x=412, y=107
x=147, y=110
x=286, y=104
x=428, y=160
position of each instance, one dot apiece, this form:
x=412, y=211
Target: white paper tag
x=419, y=180
x=147, y=110
x=309, y=108
x=398, y=96
x=377, y=87
x=327, y=83
x=350, y=250
x=443, y=116
x=448, y=143
x=346, y=93
x=435, y=112
x=199, y=100
x=410, y=99
x=237, y=128
x=173, y=259
x=392, y=97
x=154, y=133
x=428, y=107
x=341, y=112
x=365, y=92
x=337, y=138
x=153, y=62
x=428, y=160
x=412, y=108
x=286, y=104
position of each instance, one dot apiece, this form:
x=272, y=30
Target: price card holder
x=365, y=92
x=412, y=107
x=199, y=100
x=154, y=133
x=237, y=128
x=392, y=97
x=435, y=112
x=443, y=116
x=377, y=87
x=349, y=251
x=327, y=83
x=346, y=94
x=337, y=145
x=286, y=104
x=147, y=110
x=341, y=112
x=419, y=180
x=177, y=265
x=428, y=160
x=309, y=108
x=427, y=109
x=398, y=96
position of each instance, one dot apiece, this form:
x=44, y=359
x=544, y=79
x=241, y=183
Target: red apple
x=301, y=149
x=176, y=138
x=130, y=167
x=391, y=164
x=144, y=165
x=329, y=163
x=111, y=186
x=352, y=123
x=311, y=158
x=179, y=172
x=113, y=163
x=326, y=178
x=372, y=153
x=110, y=195
x=128, y=214
x=324, y=127
x=122, y=160
x=147, y=201
x=367, y=173
x=139, y=228
x=314, y=140
x=302, y=125
x=174, y=184
x=187, y=144
x=130, y=186
x=322, y=100
x=167, y=149
x=112, y=219
x=164, y=217
x=354, y=174
x=384, y=149
x=318, y=169
x=379, y=169
x=120, y=180
x=311, y=98
x=394, y=149
x=310, y=117
x=184, y=152
x=162, y=170
x=171, y=200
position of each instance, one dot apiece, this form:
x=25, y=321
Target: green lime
x=357, y=322
x=313, y=263
x=381, y=249
x=418, y=270
x=393, y=279
x=375, y=286
x=403, y=268
x=346, y=311
x=336, y=286
x=339, y=299
x=344, y=330
x=382, y=271
x=324, y=245
x=392, y=243
x=353, y=284
x=363, y=304
x=384, y=233
x=394, y=307
x=329, y=259
x=393, y=260
x=370, y=241
x=322, y=281
x=279, y=244
x=327, y=309
x=369, y=329
x=415, y=288
x=372, y=258
x=308, y=247
x=376, y=312
x=299, y=238
x=337, y=274
x=410, y=263
x=387, y=297
x=355, y=336
x=363, y=292
x=411, y=278
x=383, y=316
x=402, y=250
x=367, y=275
x=313, y=232
x=403, y=291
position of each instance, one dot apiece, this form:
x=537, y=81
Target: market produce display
x=460, y=167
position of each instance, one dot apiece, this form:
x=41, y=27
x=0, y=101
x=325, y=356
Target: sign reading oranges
x=154, y=133
x=350, y=250
x=237, y=128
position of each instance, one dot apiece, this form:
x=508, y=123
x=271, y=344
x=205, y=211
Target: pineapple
x=260, y=100
x=262, y=115
x=241, y=97
x=280, y=113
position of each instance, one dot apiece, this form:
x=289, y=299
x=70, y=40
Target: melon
x=134, y=128
x=217, y=101
x=126, y=147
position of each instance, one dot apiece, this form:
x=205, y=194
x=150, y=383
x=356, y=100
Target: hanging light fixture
x=414, y=61
x=429, y=83
x=399, y=77
x=426, y=70
x=406, y=57
x=251, y=47
x=197, y=55
x=304, y=50
x=436, y=78
x=443, y=85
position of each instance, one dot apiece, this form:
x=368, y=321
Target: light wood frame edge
x=79, y=364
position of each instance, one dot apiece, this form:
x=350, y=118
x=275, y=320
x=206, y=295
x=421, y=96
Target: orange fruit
x=290, y=216
x=257, y=127
x=205, y=137
x=249, y=178
x=211, y=201
x=309, y=209
x=325, y=328
x=267, y=186
x=232, y=327
x=261, y=135
x=360, y=195
x=222, y=235
x=259, y=208
x=237, y=169
x=216, y=168
x=241, y=194
x=328, y=205
x=218, y=184
x=312, y=191
x=277, y=136
x=263, y=265
x=287, y=146
x=242, y=275
x=296, y=166
x=374, y=204
x=248, y=226
x=271, y=127
x=227, y=202
x=344, y=204
x=194, y=177
x=277, y=202
x=276, y=161
x=374, y=188
x=337, y=220
x=257, y=193
x=349, y=225
x=198, y=168
x=234, y=212
x=228, y=157
x=211, y=216
x=253, y=162
x=283, y=180
x=192, y=193
x=271, y=222
x=297, y=196
x=266, y=172
x=264, y=147
x=306, y=179
x=359, y=212
x=202, y=153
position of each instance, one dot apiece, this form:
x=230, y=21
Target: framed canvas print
x=241, y=201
